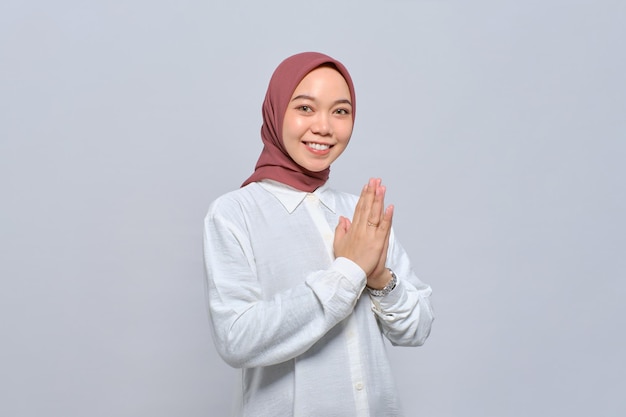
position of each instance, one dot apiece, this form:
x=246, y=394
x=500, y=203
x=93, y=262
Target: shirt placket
x=313, y=205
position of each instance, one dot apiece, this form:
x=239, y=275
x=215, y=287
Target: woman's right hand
x=364, y=240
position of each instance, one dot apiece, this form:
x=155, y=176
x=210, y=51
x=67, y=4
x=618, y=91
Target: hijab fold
x=274, y=162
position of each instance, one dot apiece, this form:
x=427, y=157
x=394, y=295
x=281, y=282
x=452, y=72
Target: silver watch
x=388, y=288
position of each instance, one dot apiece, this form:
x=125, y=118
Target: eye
x=305, y=108
x=342, y=111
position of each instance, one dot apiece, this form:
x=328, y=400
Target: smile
x=317, y=146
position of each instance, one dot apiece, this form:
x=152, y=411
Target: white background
x=498, y=126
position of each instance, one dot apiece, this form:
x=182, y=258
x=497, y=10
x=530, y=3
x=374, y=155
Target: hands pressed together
x=365, y=239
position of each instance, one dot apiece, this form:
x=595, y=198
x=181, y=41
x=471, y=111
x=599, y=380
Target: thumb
x=341, y=229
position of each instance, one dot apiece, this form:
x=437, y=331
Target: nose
x=322, y=124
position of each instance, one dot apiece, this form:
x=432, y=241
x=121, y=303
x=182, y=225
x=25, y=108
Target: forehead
x=323, y=80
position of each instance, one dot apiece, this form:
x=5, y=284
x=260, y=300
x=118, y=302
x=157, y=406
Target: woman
x=285, y=291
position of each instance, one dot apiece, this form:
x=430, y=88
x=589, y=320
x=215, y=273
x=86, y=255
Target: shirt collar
x=291, y=197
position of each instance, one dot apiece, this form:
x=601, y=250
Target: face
x=318, y=121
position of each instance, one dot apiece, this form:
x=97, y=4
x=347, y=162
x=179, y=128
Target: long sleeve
x=293, y=317
x=252, y=329
x=405, y=314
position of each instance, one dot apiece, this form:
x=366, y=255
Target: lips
x=318, y=148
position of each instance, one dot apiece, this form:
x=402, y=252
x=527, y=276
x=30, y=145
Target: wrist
x=390, y=284
x=380, y=280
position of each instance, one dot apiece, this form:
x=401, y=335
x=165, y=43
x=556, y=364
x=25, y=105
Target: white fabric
x=294, y=318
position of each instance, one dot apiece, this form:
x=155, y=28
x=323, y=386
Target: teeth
x=317, y=146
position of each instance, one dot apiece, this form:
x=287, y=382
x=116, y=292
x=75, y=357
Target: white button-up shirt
x=309, y=340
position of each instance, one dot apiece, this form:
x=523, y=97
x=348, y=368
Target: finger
x=388, y=234
x=376, y=212
x=368, y=197
x=340, y=230
x=361, y=212
x=359, y=203
x=385, y=223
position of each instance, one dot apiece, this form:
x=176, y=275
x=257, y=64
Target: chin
x=316, y=168
x=313, y=165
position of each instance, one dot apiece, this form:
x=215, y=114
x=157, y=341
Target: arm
x=405, y=314
x=251, y=331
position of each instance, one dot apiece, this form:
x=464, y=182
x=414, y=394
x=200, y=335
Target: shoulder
x=237, y=201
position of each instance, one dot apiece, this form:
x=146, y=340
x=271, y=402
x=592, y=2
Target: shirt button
x=359, y=386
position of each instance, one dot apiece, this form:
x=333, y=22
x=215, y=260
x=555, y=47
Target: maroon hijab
x=274, y=162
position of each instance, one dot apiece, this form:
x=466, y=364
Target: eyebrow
x=307, y=97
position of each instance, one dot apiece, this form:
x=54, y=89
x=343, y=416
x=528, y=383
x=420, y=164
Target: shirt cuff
x=395, y=297
x=351, y=271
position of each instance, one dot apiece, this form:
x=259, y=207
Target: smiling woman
x=318, y=121
x=287, y=268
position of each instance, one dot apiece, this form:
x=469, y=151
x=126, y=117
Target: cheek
x=345, y=132
x=294, y=126
x=300, y=124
